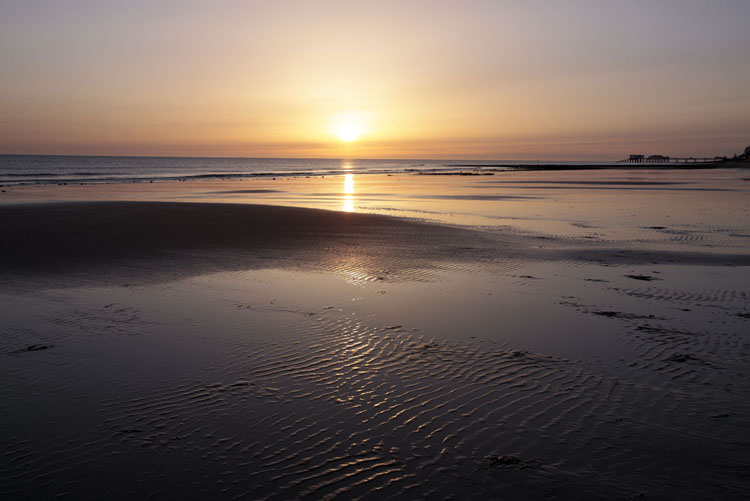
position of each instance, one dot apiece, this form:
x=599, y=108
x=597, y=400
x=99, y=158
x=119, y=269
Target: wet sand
x=512, y=341
x=166, y=240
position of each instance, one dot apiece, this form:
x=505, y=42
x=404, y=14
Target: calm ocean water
x=48, y=169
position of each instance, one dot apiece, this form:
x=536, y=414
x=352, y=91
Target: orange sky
x=502, y=80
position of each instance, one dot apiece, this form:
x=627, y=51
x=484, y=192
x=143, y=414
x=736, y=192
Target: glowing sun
x=351, y=126
x=348, y=131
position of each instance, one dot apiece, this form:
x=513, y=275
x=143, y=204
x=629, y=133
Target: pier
x=661, y=159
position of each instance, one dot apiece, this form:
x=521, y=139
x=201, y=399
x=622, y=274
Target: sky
x=531, y=79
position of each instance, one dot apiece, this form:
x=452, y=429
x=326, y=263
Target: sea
x=58, y=169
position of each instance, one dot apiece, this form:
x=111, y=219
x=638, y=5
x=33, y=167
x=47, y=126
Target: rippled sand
x=204, y=350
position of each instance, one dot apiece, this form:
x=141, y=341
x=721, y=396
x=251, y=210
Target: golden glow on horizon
x=368, y=80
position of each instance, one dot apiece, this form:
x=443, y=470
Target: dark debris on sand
x=624, y=316
x=34, y=347
x=651, y=329
x=683, y=357
x=621, y=315
x=511, y=460
x=637, y=497
x=646, y=278
x=534, y=357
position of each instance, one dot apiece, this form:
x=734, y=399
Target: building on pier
x=657, y=159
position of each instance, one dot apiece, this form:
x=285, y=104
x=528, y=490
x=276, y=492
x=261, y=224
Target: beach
x=566, y=334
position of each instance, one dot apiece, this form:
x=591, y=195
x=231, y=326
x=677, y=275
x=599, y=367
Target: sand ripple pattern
x=351, y=410
x=720, y=296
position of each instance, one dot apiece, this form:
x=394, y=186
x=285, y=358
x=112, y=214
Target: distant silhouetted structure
x=663, y=159
x=650, y=159
x=658, y=159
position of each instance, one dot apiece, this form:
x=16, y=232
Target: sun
x=348, y=131
x=350, y=126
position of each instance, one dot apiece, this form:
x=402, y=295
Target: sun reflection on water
x=348, y=199
x=348, y=204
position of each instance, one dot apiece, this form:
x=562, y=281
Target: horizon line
x=457, y=158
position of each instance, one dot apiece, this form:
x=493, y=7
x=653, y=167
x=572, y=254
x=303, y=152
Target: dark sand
x=154, y=241
x=163, y=240
x=190, y=350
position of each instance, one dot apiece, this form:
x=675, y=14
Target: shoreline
x=47, y=176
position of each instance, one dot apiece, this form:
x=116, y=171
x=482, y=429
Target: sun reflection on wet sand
x=348, y=200
x=349, y=184
x=348, y=204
